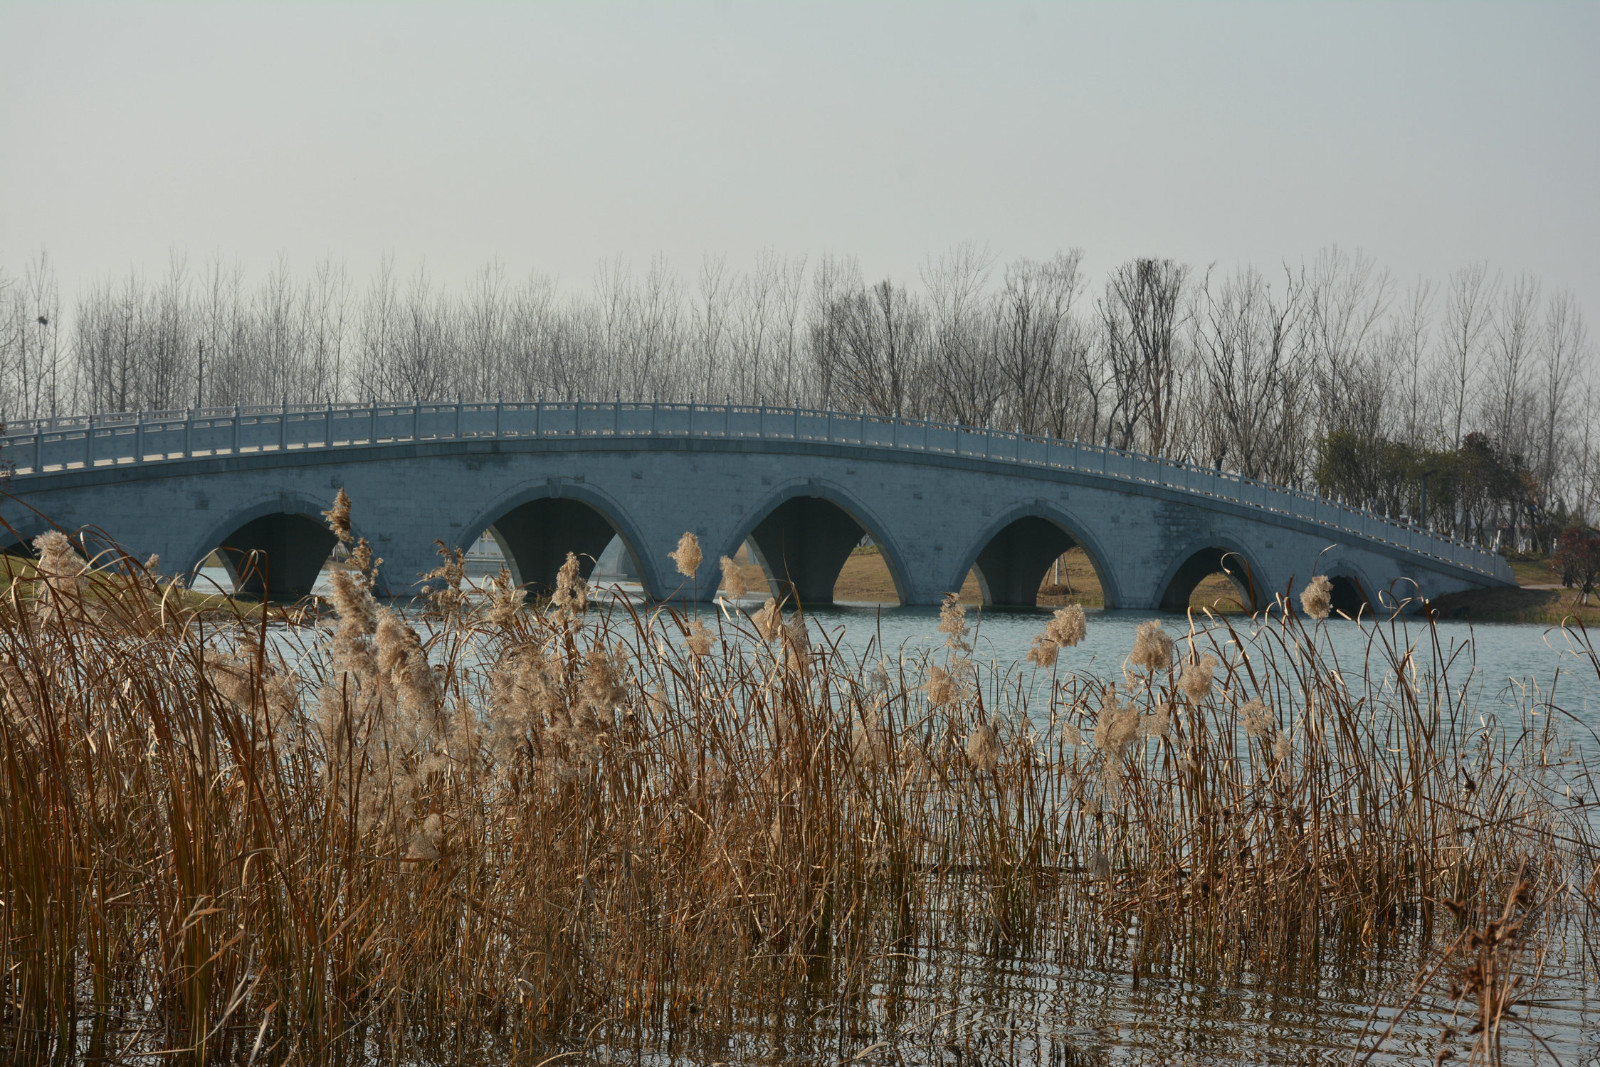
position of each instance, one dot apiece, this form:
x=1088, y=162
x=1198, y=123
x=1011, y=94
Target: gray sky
x=553, y=136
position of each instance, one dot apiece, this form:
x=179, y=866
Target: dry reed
x=500, y=834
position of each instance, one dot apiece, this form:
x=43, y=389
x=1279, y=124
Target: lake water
x=1496, y=660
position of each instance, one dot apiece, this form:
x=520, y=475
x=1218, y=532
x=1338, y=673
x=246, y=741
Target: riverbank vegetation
x=1550, y=588
x=492, y=833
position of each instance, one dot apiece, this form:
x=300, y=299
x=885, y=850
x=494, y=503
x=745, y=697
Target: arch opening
x=1349, y=598
x=1032, y=562
x=813, y=547
x=280, y=556
x=1213, y=577
x=533, y=539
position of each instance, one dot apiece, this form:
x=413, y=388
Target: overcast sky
x=554, y=136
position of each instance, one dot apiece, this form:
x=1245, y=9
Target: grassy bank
x=497, y=834
x=99, y=586
x=1536, y=599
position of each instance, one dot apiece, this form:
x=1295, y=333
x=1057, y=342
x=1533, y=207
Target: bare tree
x=833, y=282
x=1508, y=402
x=379, y=335
x=791, y=389
x=1346, y=296
x=660, y=345
x=1469, y=300
x=880, y=332
x=1563, y=341
x=1249, y=346
x=31, y=363
x=1142, y=314
x=755, y=309
x=532, y=363
x=1409, y=343
x=1032, y=325
x=961, y=336
x=711, y=323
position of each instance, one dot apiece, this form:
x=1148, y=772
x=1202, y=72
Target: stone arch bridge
x=802, y=487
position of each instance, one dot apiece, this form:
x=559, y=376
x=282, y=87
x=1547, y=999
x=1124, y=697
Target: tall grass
x=491, y=832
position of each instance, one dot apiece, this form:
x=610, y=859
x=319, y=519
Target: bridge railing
x=97, y=441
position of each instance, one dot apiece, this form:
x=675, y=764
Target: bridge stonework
x=801, y=487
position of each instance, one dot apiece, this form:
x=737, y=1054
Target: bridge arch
x=1206, y=556
x=1352, y=590
x=536, y=526
x=803, y=532
x=1012, y=555
x=289, y=537
x=16, y=538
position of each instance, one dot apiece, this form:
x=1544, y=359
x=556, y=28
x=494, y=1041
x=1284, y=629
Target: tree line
x=1327, y=374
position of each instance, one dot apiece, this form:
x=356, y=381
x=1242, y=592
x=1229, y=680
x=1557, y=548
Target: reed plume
x=1256, y=718
x=699, y=639
x=687, y=555
x=1317, y=597
x=442, y=584
x=1195, y=681
x=983, y=748
x=1152, y=647
x=768, y=621
x=572, y=592
x=953, y=623
x=338, y=517
x=1065, y=628
x=733, y=579
x=59, y=570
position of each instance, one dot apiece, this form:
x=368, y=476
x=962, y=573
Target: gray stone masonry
x=802, y=487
